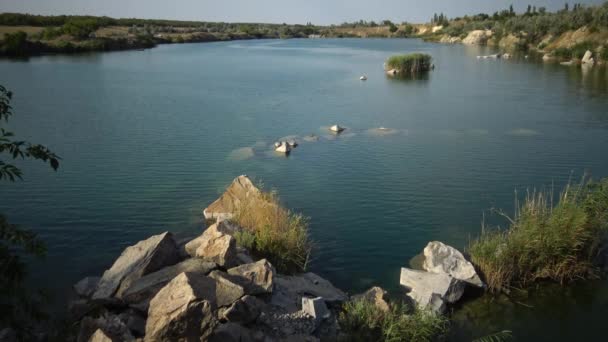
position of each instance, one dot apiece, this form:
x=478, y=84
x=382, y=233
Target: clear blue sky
x=275, y=11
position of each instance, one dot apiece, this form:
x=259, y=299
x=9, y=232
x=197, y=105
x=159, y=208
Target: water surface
x=149, y=138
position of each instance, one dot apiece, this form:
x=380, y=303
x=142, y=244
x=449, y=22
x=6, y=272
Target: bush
x=544, y=241
x=274, y=232
x=410, y=64
x=362, y=321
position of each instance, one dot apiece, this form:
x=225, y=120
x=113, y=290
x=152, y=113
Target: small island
x=408, y=65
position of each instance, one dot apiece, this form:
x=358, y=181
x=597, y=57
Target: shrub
x=274, y=232
x=363, y=321
x=545, y=241
x=15, y=44
x=410, y=64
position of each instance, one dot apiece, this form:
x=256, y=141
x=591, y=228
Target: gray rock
x=244, y=310
x=431, y=290
x=86, y=286
x=376, y=296
x=145, y=257
x=315, y=308
x=257, y=277
x=8, y=335
x=111, y=326
x=135, y=322
x=227, y=291
x=224, y=207
x=146, y=287
x=289, y=290
x=231, y=332
x=183, y=310
x=244, y=258
x=215, y=245
x=441, y=258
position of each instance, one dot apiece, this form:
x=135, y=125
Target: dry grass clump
x=558, y=242
x=274, y=232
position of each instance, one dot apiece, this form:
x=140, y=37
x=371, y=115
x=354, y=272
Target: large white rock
x=283, y=147
x=145, y=257
x=431, y=290
x=441, y=258
x=224, y=207
x=183, y=310
x=336, y=128
x=587, y=58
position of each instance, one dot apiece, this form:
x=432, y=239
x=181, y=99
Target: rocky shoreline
x=210, y=289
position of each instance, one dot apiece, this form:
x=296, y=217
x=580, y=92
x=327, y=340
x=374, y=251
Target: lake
x=150, y=138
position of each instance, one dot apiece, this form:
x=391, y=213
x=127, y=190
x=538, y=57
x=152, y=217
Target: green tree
x=19, y=306
x=393, y=28
x=15, y=44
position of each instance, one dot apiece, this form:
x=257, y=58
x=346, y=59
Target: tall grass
x=362, y=321
x=410, y=64
x=555, y=241
x=274, y=232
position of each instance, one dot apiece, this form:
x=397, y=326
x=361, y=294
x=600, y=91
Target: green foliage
x=558, y=241
x=15, y=44
x=393, y=28
x=410, y=64
x=81, y=28
x=362, y=321
x=274, y=232
x=19, y=306
x=500, y=336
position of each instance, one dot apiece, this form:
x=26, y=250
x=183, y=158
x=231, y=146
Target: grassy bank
x=363, y=321
x=546, y=240
x=274, y=232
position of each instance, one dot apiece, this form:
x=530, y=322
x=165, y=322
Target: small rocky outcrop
x=256, y=278
x=135, y=262
x=183, y=310
x=447, y=39
x=431, y=291
x=441, y=258
x=477, y=37
x=146, y=287
x=376, y=296
x=225, y=206
x=214, y=245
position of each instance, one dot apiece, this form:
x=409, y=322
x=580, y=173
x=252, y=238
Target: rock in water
x=587, y=58
x=183, y=310
x=336, y=129
x=431, y=290
x=145, y=257
x=257, y=277
x=225, y=206
x=146, y=287
x=216, y=246
x=441, y=258
x=283, y=148
x=86, y=287
x=376, y=296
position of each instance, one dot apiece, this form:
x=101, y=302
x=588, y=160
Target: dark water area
x=149, y=138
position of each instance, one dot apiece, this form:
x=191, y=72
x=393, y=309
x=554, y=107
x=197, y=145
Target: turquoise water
x=148, y=139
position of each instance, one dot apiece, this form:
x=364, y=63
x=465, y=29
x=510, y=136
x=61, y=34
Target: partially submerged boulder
x=588, y=58
x=256, y=278
x=146, y=287
x=431, y=290
x=336, y=128
x=183, y=310
x=441, y=258
x=376, y=296
x=283, y=147
x=145, y=257
x=225, y=206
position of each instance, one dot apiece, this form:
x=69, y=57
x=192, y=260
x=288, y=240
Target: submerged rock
x=145, y=257
x=183, y=310
x=431, y=290
x=311, y=138
x=441, y=258
x=242, y=153
x=225, y=206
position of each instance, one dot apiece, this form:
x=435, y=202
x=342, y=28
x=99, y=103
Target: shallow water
x=148, y=139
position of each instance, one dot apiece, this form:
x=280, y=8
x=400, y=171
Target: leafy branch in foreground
x=19, y=307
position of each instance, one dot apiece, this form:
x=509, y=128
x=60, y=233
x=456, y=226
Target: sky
x=321, y=12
